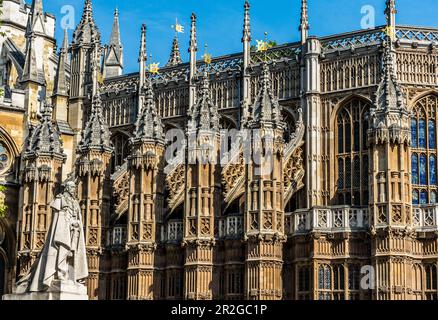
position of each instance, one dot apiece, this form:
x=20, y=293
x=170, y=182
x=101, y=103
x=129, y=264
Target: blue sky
x=220, y=21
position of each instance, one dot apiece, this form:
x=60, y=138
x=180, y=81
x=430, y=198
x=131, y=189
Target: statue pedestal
x=60, y=290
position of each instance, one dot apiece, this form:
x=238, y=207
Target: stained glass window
x=415, y=198
x=432, y=134
x=432, y=169
x=424, y=150
x=414, y=133
x=414, y=160
x=433, y=197
x=423, y=197
x=423, y=172
x=422, y=133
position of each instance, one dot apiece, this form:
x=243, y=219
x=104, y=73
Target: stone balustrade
x=327, y=219
x=425, y=217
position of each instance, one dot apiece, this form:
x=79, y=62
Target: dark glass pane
x=365, y=198
x=365, y=131
x=432, y=170
x=423, y=197
x=356, y=173
x=422, y=133
x=321, y=277
x=347, y=172
x=414, y=163
x=356, y=200
x=365, y=172
x=428, y=277
x=341, y=173
x=414, y=133
x=347, y=137
x=327, y=278
x=432, y=134
x=341, y=199
x=348, y=199
x=356, y=136
x=423, y=173
x=341, y=276
x=434, y=278
x=415, y=199
x=340, y=138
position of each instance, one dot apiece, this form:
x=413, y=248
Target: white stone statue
x=63, y=260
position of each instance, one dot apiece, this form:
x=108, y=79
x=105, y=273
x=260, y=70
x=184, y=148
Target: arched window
x=431, y=282
x=338, y=282
x=5, y=158
x=352, y=153
x=121, y=150
x=324, y=282
x=424, y=150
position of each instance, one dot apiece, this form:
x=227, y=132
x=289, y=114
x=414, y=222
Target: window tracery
x=5, y=158
x=424, y=150
x=352, y=153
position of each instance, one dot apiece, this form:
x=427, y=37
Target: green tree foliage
x=3, y=206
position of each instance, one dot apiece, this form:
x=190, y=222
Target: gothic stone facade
x=354, y=180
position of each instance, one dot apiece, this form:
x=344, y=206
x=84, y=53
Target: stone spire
x=390, y=12
x=204, y=114
x=389, y=94
x=60, y=80
x=246, y=41
x=86, y=32
x=246, y=23
x=148, y=125
x=96, y=134
x=95, y=56
x=175, y=55
x=142, y=57
x=113, y=62
x=389, y=115
x=193, y=42
x=35, y=22
x=30, y=70
x=193, y=48
x=265, y=111
x=44, y=138
x=304, y=22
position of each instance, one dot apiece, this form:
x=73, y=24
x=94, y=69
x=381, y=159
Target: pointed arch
x=424, y=152
x=120, y=141
x=350, y=151
x=415, y=99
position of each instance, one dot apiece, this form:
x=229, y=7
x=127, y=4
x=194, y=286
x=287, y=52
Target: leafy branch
x=3, y=206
